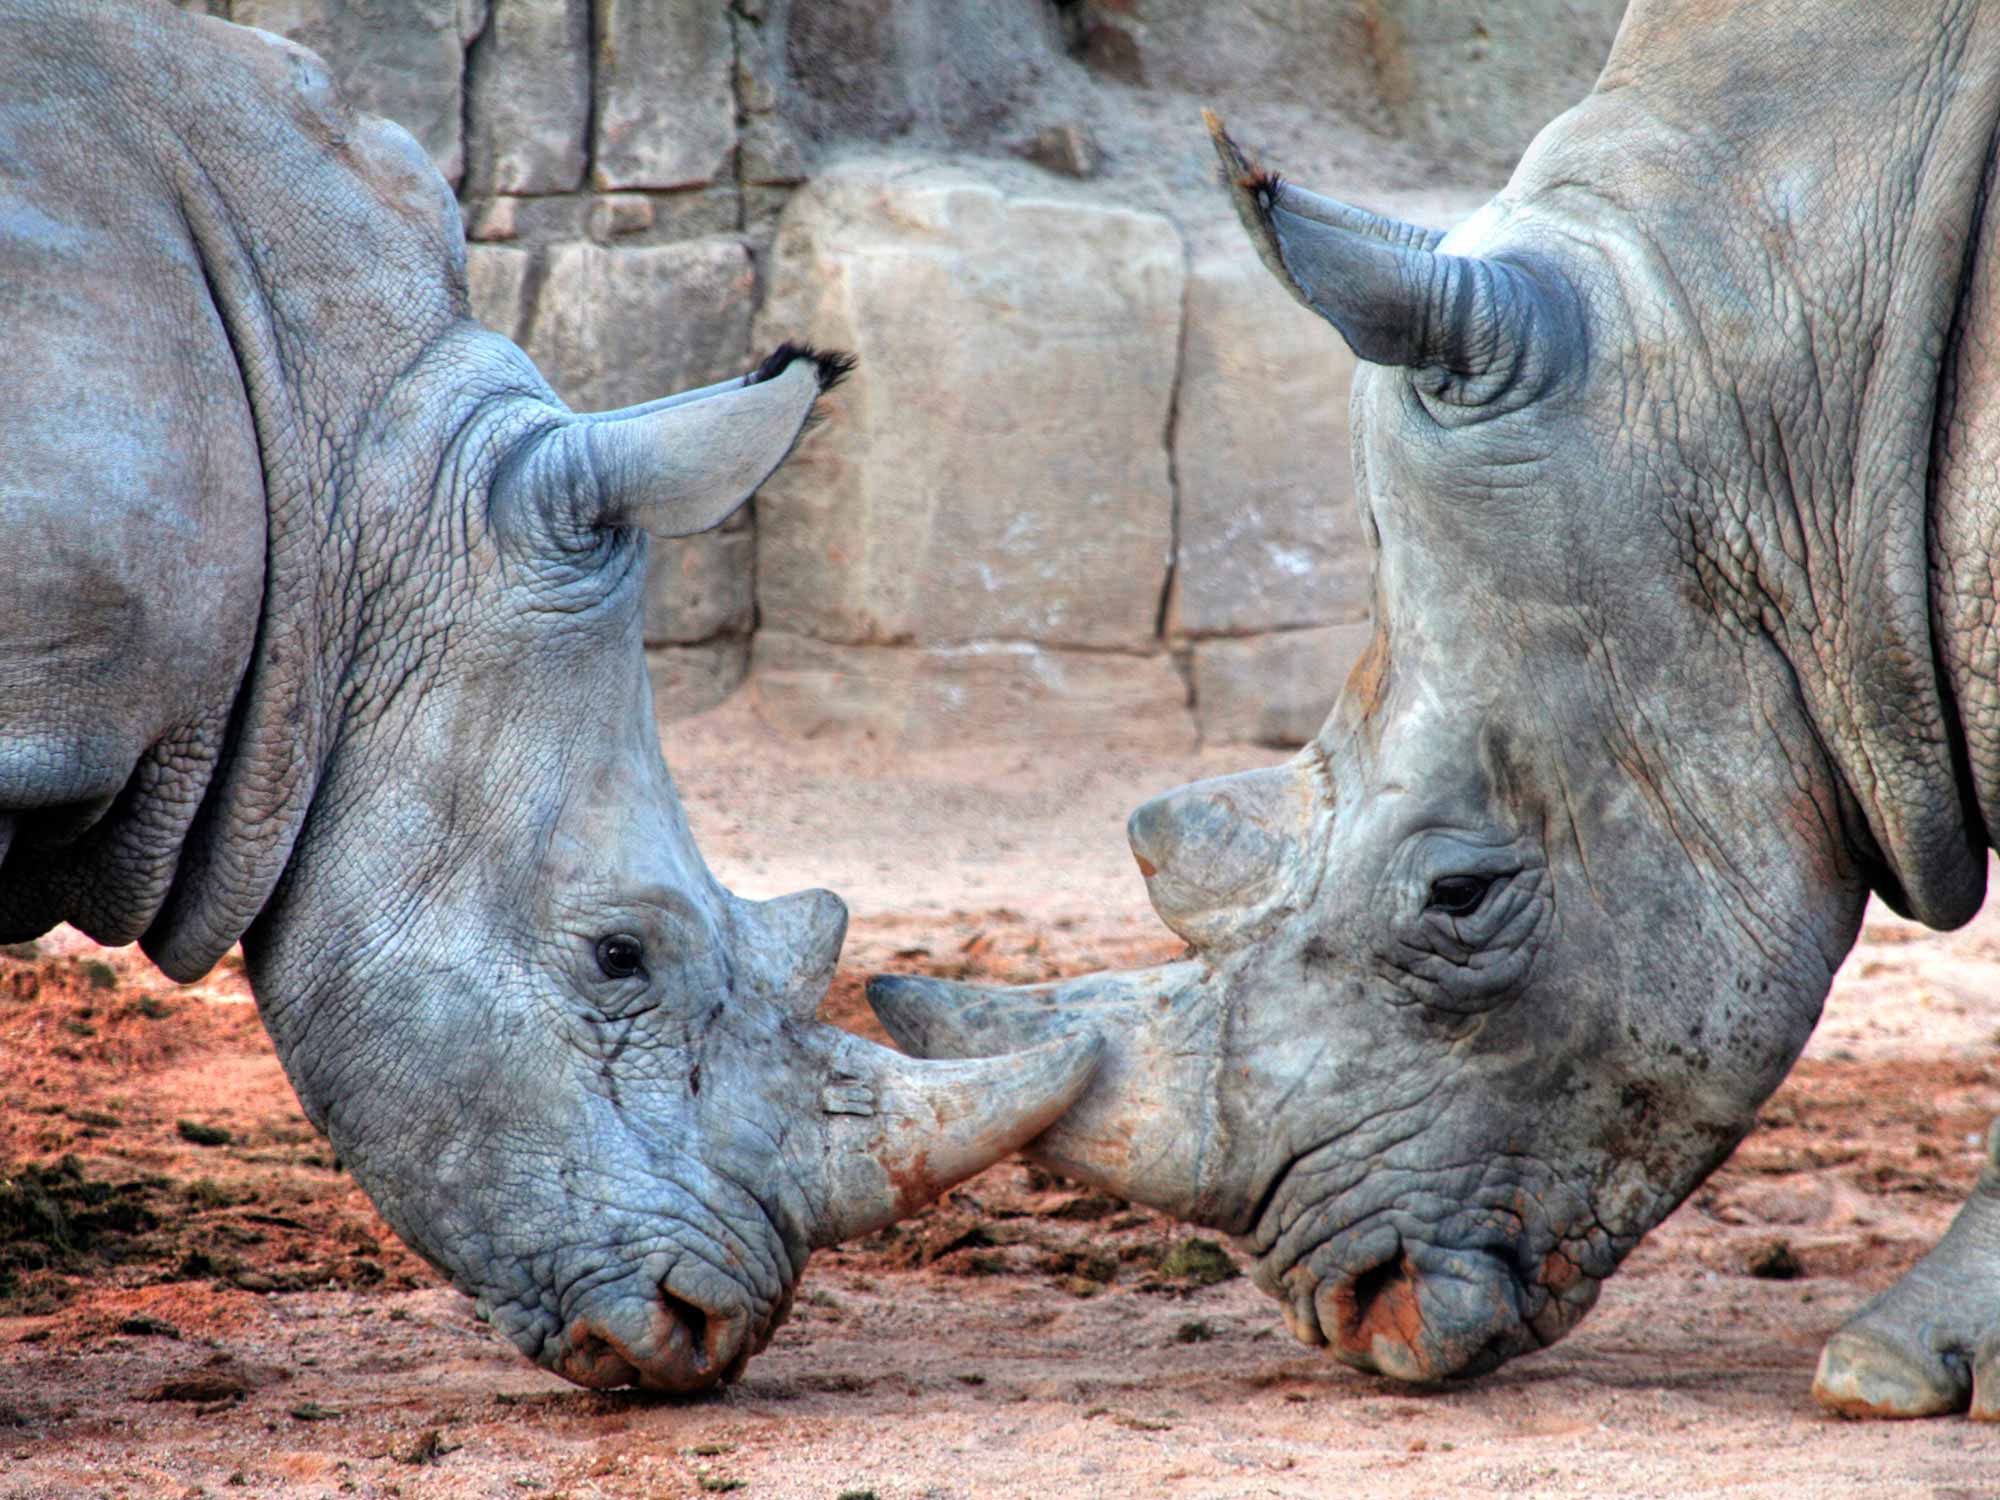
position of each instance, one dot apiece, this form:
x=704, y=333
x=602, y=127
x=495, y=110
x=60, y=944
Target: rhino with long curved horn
x=320, y=628
x=1677, y=464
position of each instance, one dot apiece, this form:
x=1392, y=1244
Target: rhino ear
x=1483, y=332
x=684, y=463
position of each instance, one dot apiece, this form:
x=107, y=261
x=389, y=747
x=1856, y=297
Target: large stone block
x=996, y=467
x=688, y=680
x=700, y=586
x=617, y=325
x=1470, y=81
x=1486, y=75
x=960, y=72
x=1272, y=689
x=666, y=103
x=496, y=278
x=529, y=87
x=768, y=149
x=993, y=693
x=401, y=58
x=1269, y=538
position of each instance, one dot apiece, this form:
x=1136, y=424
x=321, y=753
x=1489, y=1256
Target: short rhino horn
x=683, y=464
x=1219, y=855
x=1488, y=333
x=897, y=1131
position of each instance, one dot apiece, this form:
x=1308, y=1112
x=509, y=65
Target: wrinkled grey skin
x=320, y=627
x=1679, y=464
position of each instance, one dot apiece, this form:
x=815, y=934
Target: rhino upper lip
x=1260, y=1211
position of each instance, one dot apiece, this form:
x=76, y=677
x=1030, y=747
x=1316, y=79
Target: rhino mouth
x=681, y=1347
x=1381, y=1299
x=689, y=1330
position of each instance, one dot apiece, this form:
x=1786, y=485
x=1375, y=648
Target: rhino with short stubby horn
x=320, y=628
x=1678, y=463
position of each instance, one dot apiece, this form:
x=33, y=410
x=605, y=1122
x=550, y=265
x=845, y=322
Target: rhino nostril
x=595, y=1359
x=692, y=1320
x=1378, y=1303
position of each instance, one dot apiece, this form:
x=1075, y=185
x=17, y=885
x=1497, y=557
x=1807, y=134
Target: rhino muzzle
x=1418, y=1312
x=685, y=1337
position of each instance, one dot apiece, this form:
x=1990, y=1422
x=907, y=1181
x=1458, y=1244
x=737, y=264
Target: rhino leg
x=1931, y=1343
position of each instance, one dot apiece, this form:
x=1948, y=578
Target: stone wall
x=1091, y=479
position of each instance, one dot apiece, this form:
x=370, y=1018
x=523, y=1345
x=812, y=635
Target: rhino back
x=210, y=268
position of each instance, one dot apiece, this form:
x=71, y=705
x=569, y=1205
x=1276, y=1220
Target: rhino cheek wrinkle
x=332, y=645
x=1676, y=462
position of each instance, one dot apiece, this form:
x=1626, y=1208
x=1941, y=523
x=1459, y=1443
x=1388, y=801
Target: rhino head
x=570, y=1067
x=1485, y=980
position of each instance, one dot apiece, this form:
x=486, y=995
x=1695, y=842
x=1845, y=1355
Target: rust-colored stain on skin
x=1559, y=1273
x=1854, y=1406
x=1111, y=1150
x=596, y=1360
x=1368, y=683
x=1391, y=1312
x=913, y=1182
x=1146, y=867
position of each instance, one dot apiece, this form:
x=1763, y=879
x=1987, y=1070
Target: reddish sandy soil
x=185, y=1314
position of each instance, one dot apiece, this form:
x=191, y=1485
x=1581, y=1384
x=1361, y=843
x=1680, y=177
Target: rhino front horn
x=897, y=1131
x=1147, y=1128
x=1487, y=333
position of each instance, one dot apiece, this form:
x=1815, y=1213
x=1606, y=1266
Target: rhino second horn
x=897, y=1131
x=1488, y=333
x=1215, y=853
x=788, y=948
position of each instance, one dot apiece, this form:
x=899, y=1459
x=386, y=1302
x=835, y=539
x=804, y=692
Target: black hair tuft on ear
x=832, y=365
x=1263, y=186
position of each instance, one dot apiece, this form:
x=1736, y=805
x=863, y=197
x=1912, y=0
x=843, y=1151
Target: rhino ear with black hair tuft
x=1481, y=333
x=685, y=463
x=832, y=365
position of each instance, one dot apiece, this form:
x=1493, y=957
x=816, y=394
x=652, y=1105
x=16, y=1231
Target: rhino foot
x=1930, y=1345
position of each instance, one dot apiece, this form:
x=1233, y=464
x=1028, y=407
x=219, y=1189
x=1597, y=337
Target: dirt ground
x=196, y=1300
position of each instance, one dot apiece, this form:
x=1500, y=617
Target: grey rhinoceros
x=1680, y=463
x=319, y=627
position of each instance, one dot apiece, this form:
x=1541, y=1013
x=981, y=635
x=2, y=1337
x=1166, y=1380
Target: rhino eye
x=620, y=956
x=1456, y=895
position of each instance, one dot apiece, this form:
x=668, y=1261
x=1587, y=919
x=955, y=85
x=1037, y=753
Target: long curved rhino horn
x=1485, y=329
x=897, y=1131
x=683, y=464
x=1147, y=1130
